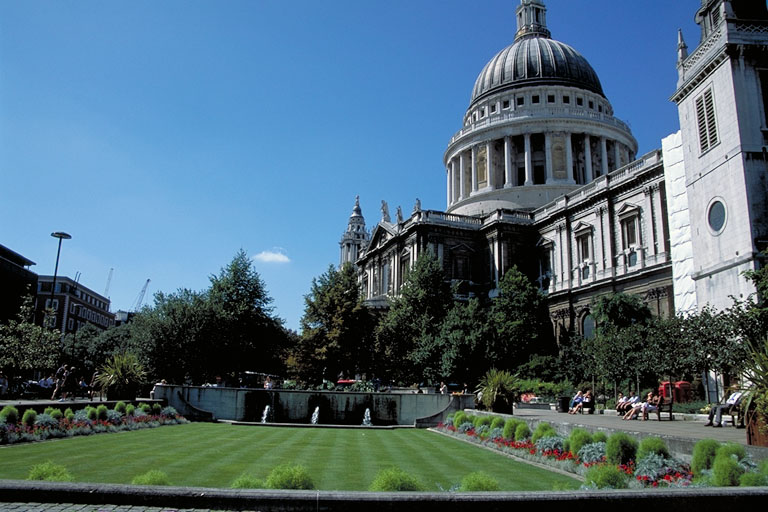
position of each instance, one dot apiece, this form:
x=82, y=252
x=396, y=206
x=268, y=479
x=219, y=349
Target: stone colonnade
x=532, y=159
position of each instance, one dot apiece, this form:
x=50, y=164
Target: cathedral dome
x=535, y=59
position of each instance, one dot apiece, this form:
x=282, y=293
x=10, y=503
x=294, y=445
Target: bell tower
x=722, y=100
x=355, y=239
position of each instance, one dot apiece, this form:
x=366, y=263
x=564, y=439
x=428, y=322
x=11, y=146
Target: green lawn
x=213, y=455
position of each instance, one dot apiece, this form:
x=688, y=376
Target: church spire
x=531, y=19
x=355, y=238
x=682, y=48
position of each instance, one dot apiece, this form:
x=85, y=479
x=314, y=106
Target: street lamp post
x=61, y=236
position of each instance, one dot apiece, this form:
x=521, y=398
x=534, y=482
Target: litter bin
x=563, y=404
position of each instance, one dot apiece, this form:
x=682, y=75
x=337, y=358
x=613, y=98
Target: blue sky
x=166, y=136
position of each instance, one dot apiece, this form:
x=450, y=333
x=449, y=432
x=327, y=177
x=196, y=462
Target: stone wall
x=337, y=408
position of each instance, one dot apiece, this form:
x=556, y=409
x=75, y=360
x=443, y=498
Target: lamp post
x=61, y=236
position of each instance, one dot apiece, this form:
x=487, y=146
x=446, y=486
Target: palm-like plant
x=498, y=388
x=121, y=375
x=755, y=400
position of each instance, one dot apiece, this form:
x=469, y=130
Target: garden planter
x=757, y=429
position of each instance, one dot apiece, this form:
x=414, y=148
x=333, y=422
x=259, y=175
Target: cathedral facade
x=541, y=175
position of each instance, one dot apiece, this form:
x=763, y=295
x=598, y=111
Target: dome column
x=528, y=160
x=448, y=186
x=569, y=158
x=490, y=172
x=604, y=155
x=463, y=174
x=617, y=153
x=588, y=159
x=508, y=183
x=548, y=157
x=474, y=170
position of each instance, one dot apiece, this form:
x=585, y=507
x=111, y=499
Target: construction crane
x=140, y=298
x=109, y=281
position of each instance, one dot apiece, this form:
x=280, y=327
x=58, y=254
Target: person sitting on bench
x=716, y=411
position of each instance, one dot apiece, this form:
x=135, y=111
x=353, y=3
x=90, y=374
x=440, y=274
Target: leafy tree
x=619, y=310
x=518, y=322
x=464, y=342
x=26, y=346
x=246, y=335
x=407, y=348
x=335, y=326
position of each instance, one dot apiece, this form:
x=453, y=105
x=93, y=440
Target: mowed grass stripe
x=213, y=455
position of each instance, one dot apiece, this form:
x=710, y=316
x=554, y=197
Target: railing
x=539, y=113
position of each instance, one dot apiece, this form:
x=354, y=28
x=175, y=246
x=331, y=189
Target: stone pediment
x=582, y=228
x=628, y=210
x=383, y=232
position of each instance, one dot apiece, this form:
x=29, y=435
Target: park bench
x=665, y=405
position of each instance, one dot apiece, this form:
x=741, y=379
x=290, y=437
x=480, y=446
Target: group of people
x=66, y=384
x=631, y=407
x=582, y=401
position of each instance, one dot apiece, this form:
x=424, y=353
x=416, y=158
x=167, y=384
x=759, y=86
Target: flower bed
x=54, y=424
x=616, y=462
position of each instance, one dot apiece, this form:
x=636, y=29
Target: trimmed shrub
x=145, y=407
x=652, y=445
x=510, y=425
x=10, y=414
x=395, y=479
x=458, y=418
x=543, y=429
x=30, y=415
x=91, y=413
x=101, y=413
x=289, y=477
x=726, y=470
x=522, y=432
x=606, y=476
x=156, y=408
x=120, y=407
x=479, y=482
x=620, y=448
x=578, y=439
x=731, y=449
x=69, y=415
x=49, y=472
x=599, y=437
x=704, y=453
x=68, y=411
x=497, y=422
x=129, y=409
x=246, y=481
x=479, y=421
x=151, y=477
x=753, y=480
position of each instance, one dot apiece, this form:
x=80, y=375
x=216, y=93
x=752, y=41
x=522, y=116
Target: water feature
x=367, y=418
x=265, y=415
x=315, y=415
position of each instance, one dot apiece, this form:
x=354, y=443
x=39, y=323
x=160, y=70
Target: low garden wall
x=335, y=408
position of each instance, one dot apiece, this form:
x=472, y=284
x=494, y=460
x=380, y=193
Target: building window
x=505, y=104
x=580, y=102
x=535, y=99
x=716, y=216
x=705, y=120
x=566, y=99
x=493, y=109
x=520, y=101
x=591, y=104
x=55, y=305
x=70, y=324
x=599, y=108
x=550, y=98
x=629, y=235
x=482, y=112
x=588, y=327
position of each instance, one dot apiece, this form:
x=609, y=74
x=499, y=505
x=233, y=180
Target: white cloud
x=276, y=255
